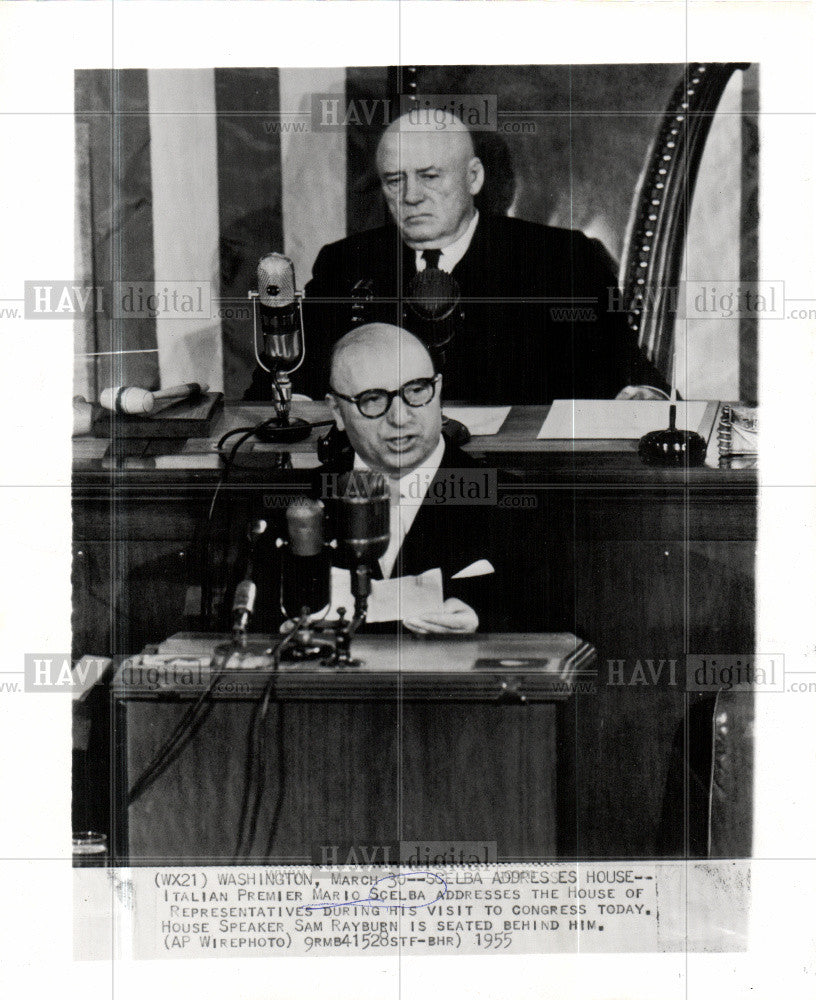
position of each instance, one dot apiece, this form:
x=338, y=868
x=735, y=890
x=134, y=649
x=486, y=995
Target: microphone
x=362, y=520
x=243, y=601
x=281, y=316
x=434, y=299
x=284, y=347
x=243, y=604
x=363, y=528
x=306, y=561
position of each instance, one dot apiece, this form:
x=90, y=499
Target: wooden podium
x=428, y=740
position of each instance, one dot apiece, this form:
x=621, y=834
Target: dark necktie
x=431, y=258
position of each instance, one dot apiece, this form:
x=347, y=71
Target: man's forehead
x=381, y=366
x=414, y=149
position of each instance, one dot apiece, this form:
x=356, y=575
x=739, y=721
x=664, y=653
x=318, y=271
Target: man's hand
x=456, y=618
x=641, y=392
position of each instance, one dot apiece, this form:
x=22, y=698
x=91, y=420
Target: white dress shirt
x=451, y=255
x=407, y=495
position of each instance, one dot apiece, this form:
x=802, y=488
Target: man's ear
x=335, y=408
x=476, y=176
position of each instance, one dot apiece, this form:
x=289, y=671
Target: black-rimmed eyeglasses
x=374, y=403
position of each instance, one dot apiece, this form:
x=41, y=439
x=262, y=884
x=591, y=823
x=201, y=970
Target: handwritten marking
x=396, y=881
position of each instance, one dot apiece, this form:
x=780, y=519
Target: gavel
x=132, y=400
x=129, y=399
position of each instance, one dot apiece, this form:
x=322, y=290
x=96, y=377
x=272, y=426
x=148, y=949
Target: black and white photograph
x=422, y=562
x=492, y=262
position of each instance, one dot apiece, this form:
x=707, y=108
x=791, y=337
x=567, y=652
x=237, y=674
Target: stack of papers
x=617, y=419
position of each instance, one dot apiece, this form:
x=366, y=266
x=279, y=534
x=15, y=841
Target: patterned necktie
x=431, y=258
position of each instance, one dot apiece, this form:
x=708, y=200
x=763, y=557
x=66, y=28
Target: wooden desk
x=420, y=743
x=195, y=460
x=647, y=565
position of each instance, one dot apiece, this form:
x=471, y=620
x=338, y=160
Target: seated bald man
x=386, y=397
x=533, y=323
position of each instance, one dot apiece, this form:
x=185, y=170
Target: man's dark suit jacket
x=536, y=319
x=452, y=536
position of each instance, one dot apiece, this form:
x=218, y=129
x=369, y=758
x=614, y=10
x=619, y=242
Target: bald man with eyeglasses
x=386, y=398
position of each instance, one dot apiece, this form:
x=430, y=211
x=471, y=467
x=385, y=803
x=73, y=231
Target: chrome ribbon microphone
x=363, y=528
x=280, y=306
x=434, y=303
x=281, y=314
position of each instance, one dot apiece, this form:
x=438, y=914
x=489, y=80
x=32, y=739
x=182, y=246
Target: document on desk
x=391, y=600
x=618, y=419
x=481, y=421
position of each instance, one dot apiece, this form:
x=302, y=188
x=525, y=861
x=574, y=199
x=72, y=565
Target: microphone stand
x=361, y=589
x=243, y=609
x=331, y=640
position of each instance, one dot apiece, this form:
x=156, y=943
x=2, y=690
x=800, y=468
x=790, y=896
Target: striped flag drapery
x=185, y=179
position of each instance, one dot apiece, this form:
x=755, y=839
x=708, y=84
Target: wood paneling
x=356, y=773
x=127, y=594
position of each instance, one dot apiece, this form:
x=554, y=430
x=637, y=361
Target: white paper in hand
x=391, y=600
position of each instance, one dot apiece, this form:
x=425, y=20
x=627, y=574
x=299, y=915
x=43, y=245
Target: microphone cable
x=207, y=567
x=189, y=725
x=255, y=765
x=249, y=431
x=229, y=459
